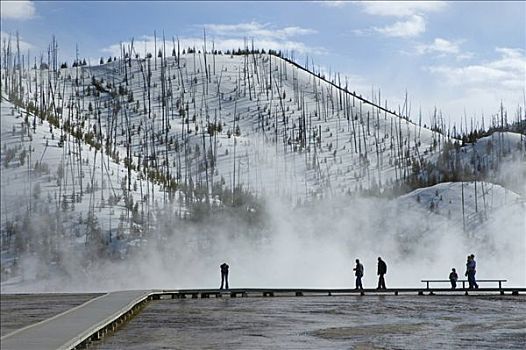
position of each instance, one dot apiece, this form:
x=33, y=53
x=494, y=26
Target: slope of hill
x=499, y=157
x=99, y=161
x=467, y=204
x=59, y=194
x=254, y=121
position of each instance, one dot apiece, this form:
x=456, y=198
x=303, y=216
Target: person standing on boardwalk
x=224, y=275
x=471, y=270
x=359, y=274
x=453, y=277
x=382, y=270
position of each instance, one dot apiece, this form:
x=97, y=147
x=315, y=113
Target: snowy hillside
x=100, y=161
x=255, y=121
x=500, y=157
x=62, y=195
x=464, y=203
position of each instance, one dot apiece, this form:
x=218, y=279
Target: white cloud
x=232, y=36
x=256, y=30
x=20, y=9
x=411, y=27
x=146, y=44
x=486, y=83
x=440, y=46
x=6, y=38
x=411, y=16
x=509, y=70
x=510, y=52
x=400, y=8
x=464, y=56
x=334, y=3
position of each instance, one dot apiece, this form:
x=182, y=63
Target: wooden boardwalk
x=69, y=329
x=90, y=321
x=288, y=292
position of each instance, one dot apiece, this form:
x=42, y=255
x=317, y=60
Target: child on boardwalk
x=453, y=277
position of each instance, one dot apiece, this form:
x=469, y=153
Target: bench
x=463, y=282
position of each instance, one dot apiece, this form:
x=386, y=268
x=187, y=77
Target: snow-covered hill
x=60, y=195
x=255, y=121
x=98, y=161
x=465, y=203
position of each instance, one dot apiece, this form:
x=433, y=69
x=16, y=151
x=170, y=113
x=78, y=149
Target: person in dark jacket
x=358, y=272
x=224, y=275
x=382, y=270
x=453, y=277
x=471, y=270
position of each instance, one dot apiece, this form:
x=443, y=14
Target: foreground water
x=343, y=322
x=370, y=322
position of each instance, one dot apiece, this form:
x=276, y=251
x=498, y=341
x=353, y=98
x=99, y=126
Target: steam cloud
x=313, y=246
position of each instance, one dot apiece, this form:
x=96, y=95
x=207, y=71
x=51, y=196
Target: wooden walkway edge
x=287, y=292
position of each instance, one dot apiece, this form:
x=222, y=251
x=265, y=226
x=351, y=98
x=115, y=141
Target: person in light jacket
x=471, y=270
x=358, y=272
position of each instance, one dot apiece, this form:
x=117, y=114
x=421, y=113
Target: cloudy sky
x=462, y=57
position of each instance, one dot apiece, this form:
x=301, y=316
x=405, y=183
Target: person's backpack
x=383, y=267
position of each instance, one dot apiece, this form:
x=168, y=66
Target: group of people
x=381, y=271
x=471, y=270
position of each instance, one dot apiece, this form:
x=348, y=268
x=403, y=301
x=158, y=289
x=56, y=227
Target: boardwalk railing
x=463, y=282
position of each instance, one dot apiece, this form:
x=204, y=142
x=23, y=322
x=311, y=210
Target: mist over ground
x=311, y=246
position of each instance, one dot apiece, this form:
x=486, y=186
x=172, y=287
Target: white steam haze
x=313, y=246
